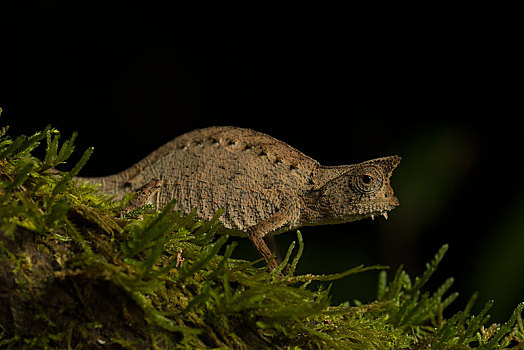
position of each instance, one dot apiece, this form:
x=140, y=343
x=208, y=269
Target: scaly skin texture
x=265, y=186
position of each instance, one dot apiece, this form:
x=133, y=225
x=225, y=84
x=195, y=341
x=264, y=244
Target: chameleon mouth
x=372, y=211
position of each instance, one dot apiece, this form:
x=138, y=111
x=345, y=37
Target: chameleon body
x=265, y=186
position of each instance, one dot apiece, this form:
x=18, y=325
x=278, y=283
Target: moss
x=75, y=275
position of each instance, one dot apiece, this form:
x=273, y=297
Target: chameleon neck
x=324, y=174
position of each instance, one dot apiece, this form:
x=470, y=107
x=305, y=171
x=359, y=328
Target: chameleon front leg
x=255, y=236
x=256, y=233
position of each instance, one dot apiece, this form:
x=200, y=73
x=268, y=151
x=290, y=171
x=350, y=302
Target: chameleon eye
x=367, y=180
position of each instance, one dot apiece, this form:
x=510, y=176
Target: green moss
x=75, y=275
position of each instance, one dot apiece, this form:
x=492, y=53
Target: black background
x=438, y=83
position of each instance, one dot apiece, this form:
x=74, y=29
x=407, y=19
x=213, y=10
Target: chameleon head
x=362, y=190
x=370, y=186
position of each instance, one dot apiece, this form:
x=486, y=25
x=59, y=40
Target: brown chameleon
x=265, y=186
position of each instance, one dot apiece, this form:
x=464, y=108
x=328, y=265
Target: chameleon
x=265, y=186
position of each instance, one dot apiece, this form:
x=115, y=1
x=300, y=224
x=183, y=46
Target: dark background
x=438, y=83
